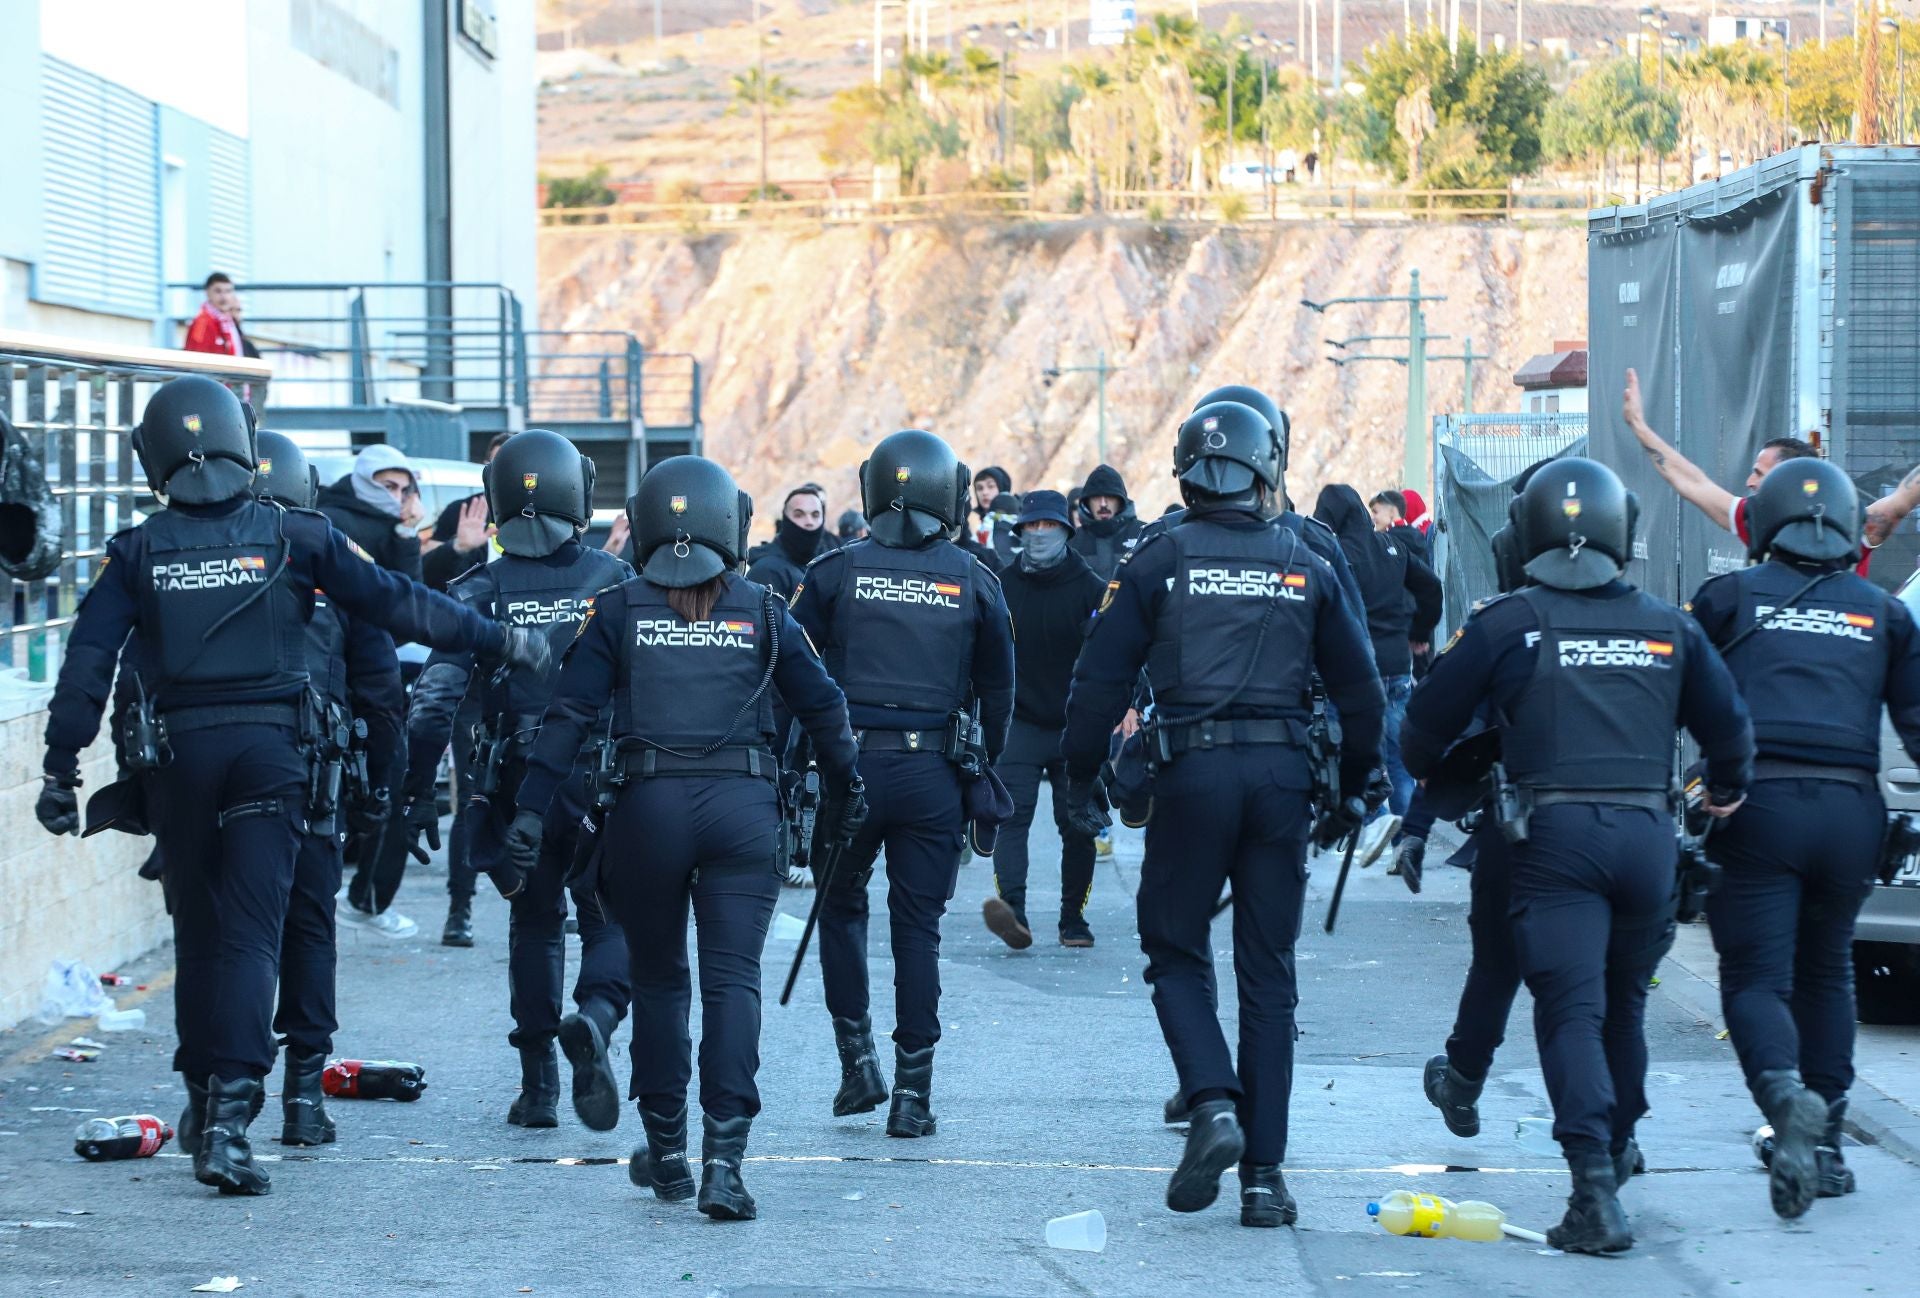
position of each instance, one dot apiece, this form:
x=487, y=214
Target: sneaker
x=1075, y=933
x=1374, y=837
x=1103, y=843
x=388, y=923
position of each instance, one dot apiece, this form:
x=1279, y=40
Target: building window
x=479, y=27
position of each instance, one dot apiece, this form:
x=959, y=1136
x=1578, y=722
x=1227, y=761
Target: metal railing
x=670, y=391
x=580, y=376
x=76, y=406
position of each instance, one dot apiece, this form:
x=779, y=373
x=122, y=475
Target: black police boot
x=1594, y=1222
x=1214, y=1143
x=538, y=1104
x=1799, y=1119
x=1007, y=920
x=596, y=1096
x=459, y=929
x=1174, y=1111
x=1836, y=1178
x=225, y=1159
x=862, y=1088
x=660, y=1165
x=723, y=1195
x=1264, y=1200
x=912, y=1112
x=303, y=1103
x=1628, y=1162
x=1456, y=1097
x=193, y=1118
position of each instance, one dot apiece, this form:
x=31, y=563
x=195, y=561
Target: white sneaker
x=388, y=923
x=1374, y=837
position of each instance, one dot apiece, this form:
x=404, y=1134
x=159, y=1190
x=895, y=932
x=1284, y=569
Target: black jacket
x=1401, y=593
x=1051, y=609
x=374, y=531
x=440, y=565
x=779, y=564
x=1103, y=543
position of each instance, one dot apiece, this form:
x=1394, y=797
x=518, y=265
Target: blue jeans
x=1399, y=690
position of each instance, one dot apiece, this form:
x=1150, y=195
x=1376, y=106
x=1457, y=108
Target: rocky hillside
x=816, y=344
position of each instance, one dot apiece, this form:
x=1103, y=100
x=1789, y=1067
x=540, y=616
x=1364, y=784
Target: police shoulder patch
x=356, y=547
x=579, y=630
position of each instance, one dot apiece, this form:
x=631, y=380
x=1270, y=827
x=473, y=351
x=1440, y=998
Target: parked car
x=1886, y=945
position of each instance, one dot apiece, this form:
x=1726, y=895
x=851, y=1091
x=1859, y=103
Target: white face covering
x=1043, y=547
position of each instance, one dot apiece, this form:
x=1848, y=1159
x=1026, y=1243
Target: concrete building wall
x=494, y=152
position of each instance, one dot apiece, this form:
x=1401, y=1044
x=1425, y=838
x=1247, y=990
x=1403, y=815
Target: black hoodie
x=372, y=530
x=779, y=563
x=1051, y=610
x=1104, y=542
x=1401, y=593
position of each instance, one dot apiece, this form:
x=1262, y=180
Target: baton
x=1340, y=884
x=835, y=850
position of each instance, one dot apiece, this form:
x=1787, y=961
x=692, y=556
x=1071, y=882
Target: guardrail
x=1291, y=203
x=76, y=403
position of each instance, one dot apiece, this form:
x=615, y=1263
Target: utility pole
x=1416, y=464
x=1338, y=71
x=760, y=84
x=1468, y=356
x=657, y=29
x=1101, y=369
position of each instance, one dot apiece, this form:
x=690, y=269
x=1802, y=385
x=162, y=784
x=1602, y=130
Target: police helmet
x=687, y=521
x=913, y=489
x=1225, y=447
x=1807, y=508
x=540, y=492
x=1575, y=525
x=195, y=442
x=282, y=471
x=1255, y=399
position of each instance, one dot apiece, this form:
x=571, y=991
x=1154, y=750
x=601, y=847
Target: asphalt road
x=1048, y=1086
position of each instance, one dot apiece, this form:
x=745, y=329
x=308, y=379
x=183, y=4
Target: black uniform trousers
x=1592, y=917
x=915, y=815
x=1797, y=863
x=1493, y=972
x=537, y=919
x=461, y=875
x=1031, y=755
x=712, y=842
x=228, y=887
x=309, y=956
x=1239, y=815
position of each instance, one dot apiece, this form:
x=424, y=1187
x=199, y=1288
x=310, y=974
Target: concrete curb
x=1873, y=1116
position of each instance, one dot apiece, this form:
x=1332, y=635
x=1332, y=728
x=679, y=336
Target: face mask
x=1044, y=548
x=799, y=543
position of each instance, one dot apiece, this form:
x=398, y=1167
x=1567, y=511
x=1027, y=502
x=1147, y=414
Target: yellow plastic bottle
x=1405, y=1212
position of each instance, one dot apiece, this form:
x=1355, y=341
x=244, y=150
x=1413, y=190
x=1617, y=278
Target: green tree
x=1609, y=110
x=1730, y=100
x=590, y=190
x=745, y=88
x=1498, y=97
x=1041, y=117
x=1295, y=110
x=1825, y=81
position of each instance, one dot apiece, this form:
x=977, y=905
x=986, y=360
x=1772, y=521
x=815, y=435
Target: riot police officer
x=687, y=657
x=1816, y=650
x=1230, y=615
x=916, y=631
x=539, y=490
x=355, y=676
x=219, y=587
x=1588, y=679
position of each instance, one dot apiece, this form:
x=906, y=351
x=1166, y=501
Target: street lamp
x=1891, y=27
x=1099, y=368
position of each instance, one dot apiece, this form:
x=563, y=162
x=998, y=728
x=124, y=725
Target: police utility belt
x=1514, y=804
x=1770, y=768
x=1171, y=739
x=960, y=741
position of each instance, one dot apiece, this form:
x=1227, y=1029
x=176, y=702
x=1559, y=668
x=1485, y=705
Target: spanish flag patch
x=1297, y=580
x=1858, y=619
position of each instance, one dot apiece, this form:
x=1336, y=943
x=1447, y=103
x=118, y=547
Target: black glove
x=58, y=808
x=526, y=650
x=521, y=854
x=1379, y=789
x=1338, y=822
x=1087, y=807
x=369, y=815
x=423, y=821
x=851, y=804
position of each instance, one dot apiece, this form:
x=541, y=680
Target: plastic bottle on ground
x=373, y=1079
x=1407, y=1212
x=138, y=1135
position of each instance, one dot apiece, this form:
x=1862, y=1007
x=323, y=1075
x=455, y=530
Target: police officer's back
x=915, y=630
x=1231, y=616
x=1588, y=679
x=1817, y=651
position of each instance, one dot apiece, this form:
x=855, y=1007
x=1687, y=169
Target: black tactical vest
x=682, y=684
x=1225, y=581
x=202, y=573
x=903, y=627
x=327, y=651
x=1604, y=700
x=548, y=597
x=1814, y=674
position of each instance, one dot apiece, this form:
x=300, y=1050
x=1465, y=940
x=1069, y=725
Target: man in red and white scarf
x=215, y=329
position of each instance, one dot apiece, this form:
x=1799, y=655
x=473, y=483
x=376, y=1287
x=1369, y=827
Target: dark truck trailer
x=1783, y=299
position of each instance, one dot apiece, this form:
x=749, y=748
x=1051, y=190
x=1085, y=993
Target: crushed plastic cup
x=786, y=928
x=122, y=1020
x=1082, y=1232
x=1535, y=1136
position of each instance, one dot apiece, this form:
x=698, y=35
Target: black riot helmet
x=1806, y=508
x=1575, y=524
x=914, y=489
x=282, y=471
x=1224, y=449
x=539, y=491
x=1255, y=399
x=689, y=521
x=195, y=442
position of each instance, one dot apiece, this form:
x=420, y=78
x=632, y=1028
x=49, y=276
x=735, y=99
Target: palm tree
x=756, y=92
x=1726, y=97
x=1414, y=118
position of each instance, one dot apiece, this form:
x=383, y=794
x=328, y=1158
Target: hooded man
x=999, y=511
x=798, y=537
x=377, y=506
x=1109, y=529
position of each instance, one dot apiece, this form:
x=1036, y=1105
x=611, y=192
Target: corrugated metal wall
x=101, y=201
